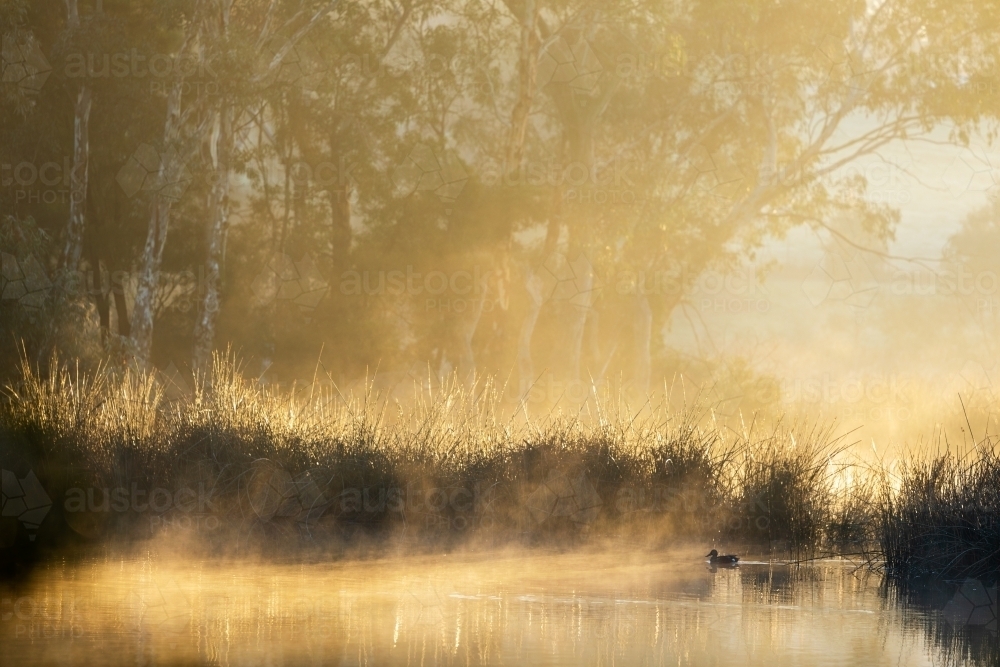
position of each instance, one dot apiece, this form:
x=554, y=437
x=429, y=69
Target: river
x=606, y=608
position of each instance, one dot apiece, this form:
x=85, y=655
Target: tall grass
x=941, y=516
x=314, y=468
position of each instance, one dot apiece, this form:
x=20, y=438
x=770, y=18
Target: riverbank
x=237, y=468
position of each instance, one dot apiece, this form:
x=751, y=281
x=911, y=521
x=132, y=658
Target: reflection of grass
x=316, y=468
x=961, y=636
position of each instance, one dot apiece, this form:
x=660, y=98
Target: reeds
x=319, y=468
x=940, y=517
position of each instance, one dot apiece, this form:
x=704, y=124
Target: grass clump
x=252, y=468
x=941, y=516
x=782, y=485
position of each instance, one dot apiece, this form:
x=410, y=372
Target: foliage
x=655, y=477
x=659, y=141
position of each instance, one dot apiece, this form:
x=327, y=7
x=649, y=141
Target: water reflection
x=593, y=609
x=965, y=629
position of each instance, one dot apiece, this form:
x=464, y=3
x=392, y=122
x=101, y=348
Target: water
x=609, y=608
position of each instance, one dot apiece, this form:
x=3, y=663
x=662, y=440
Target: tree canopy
x=482, y=186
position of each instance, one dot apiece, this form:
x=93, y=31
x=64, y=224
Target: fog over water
x=602, y=608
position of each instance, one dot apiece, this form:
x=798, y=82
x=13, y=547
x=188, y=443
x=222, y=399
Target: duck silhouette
x=715, y=559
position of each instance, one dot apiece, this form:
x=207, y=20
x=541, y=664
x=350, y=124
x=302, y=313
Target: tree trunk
x=581, y=219
x=70, y=259
x=340, y=218
x=340, y=210
x=525, y=367
x=527, y=88
x=78, y=180
x=72, y=14
x=534, y=287
x=528, y=79
x=466, y=355
x=219, y=211
x=207, y=15
x=582, y=304
x=643, y=342
x=156, y=232
x=121, y=308
x=102, y=301
x=149, y=278
x=580, y=118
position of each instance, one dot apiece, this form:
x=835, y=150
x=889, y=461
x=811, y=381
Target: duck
x=715, y=559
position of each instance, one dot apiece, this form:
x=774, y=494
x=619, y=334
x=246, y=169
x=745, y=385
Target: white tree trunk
x=643, y=341
x=529, y=48
x=581, y=311
x=466, y=355
x=73, y=250
x=159, y=219
x=527, y=85
x=149, y=279
x=72, y=14
x=219, y=226
x=525, y=367
x=156, y=240
x=78, y=180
